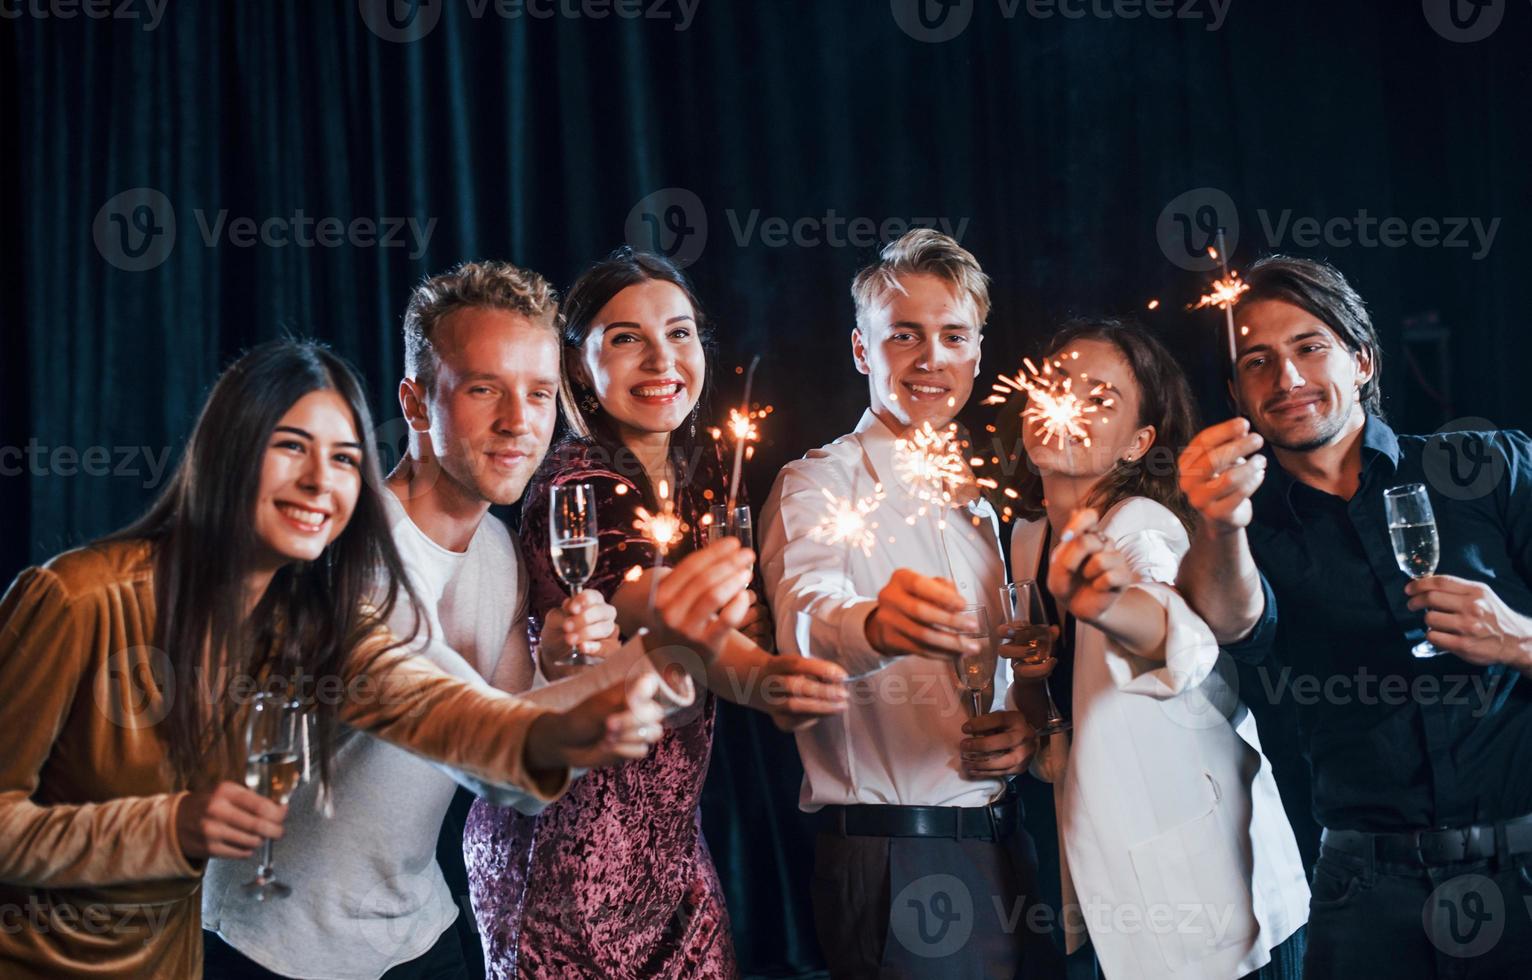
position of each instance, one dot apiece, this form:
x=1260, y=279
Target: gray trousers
x=902, y=908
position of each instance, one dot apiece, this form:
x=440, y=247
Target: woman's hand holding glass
x=584, y=624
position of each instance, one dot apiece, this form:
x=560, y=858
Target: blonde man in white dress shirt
x=921, y=866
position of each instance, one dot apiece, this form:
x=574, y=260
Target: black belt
x=994, y=822
x=1427, y=847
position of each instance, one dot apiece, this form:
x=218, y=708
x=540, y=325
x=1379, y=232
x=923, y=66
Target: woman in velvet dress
x=615, y=880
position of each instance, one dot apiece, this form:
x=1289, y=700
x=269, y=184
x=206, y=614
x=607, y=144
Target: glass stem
x=973, y=700
x=265, y=871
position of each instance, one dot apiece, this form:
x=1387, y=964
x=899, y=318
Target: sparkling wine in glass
x=1412, y=531
x=976, y=671
x=1028, y=633
x=731, y=525
x=271, y=769
x=572, y=544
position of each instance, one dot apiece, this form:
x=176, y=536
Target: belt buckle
x=1440, y=840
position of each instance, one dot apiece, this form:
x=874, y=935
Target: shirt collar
x=1274, y=500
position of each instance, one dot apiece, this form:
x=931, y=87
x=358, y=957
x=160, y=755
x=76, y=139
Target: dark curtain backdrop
x=1051, y=145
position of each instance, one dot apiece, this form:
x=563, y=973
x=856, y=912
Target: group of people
x=429, y=648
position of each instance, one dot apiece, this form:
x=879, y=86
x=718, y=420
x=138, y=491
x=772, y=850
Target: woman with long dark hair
x=1166, y=804
x=127, y=668
x=615, y=880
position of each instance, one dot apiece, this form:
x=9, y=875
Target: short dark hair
x=1320, y=289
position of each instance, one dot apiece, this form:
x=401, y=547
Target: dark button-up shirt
x=1395, y=742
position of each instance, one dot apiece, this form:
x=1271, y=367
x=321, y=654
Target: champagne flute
x=976, y=671
x=1412, y=531
x=573, y=545
x=731, y=525
x=1027, y=627
x=271, y=769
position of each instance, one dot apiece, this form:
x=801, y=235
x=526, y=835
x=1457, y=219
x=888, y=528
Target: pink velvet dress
x=614, y=880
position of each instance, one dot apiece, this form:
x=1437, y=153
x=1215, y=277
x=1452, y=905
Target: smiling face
x=1296, y=380
x=1102, y=379
x=644, y=359
x=920, y=351
x=310, y=478
x=494, y=402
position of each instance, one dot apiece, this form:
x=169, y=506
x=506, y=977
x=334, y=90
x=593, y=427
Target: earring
x=589, y=404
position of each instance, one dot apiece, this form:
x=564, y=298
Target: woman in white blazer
x=1177, y=858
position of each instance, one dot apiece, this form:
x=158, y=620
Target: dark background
x=1052, y=145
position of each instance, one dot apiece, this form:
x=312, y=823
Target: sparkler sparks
x=932, y=464
x=664, y=528
x=846, y=521
x=1052, y=402
x=1226, y=292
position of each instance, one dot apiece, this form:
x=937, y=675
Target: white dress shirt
x=1176, y=854
x=897, y=743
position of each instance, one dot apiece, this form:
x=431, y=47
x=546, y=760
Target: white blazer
x=1174, y=847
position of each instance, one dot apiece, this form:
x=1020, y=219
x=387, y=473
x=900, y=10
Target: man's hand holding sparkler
x=919, y=616
x=1219, y=473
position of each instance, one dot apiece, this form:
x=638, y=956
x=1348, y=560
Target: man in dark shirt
x=1421, y=766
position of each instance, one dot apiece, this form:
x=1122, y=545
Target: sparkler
x=1052, y=402
x=930, y=462
x=663, y=529
x=845, y=521
x=743, y=431
x=1226, y=292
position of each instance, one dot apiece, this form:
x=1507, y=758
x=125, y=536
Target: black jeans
x=443, y=961
x=1463, y=921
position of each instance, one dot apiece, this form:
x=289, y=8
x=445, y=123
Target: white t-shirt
x=367, y=892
